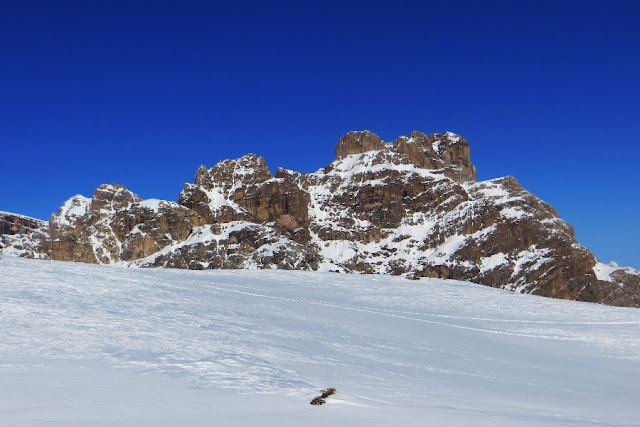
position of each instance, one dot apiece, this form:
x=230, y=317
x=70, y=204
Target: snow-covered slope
x=101, y=345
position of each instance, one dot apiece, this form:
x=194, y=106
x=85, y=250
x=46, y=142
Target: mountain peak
x=411, y=207
x=445, y=152
x=112, y=197
x=357, y=142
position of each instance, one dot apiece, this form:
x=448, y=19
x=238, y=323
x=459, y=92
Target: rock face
x=358, y=143
x=22, y=235
x=12, y=224
x=411, y=207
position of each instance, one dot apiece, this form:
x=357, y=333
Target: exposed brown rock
x=22, y=235
x=358, y=142
x=276, y=200
x=11, y=224
x=112, y=197
x=445, y=151
x=124, y=228
x=240, y=245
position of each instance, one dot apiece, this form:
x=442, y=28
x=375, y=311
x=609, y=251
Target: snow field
x=102, y=345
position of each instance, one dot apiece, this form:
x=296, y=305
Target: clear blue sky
x=141, y=93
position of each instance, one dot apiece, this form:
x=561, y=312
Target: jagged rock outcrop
x=21, y=235
x=117, y=227
x=410, y=207
x=12, y=224
x=358, y=143
x=236, y=244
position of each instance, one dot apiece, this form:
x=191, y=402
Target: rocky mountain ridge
x=410, y=207
x=22, y=235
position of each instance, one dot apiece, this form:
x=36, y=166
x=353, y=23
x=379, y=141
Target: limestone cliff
x=410, y=207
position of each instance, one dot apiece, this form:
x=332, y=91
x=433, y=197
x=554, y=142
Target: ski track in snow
x=399, y=349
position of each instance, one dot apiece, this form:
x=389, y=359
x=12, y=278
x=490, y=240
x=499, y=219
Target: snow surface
x=493, y=261
x=73, y=209
x=356, y=166
x=93, y=345
x=603, y=271
x=157, y=204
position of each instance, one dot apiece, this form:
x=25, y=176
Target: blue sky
x=141, y=93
